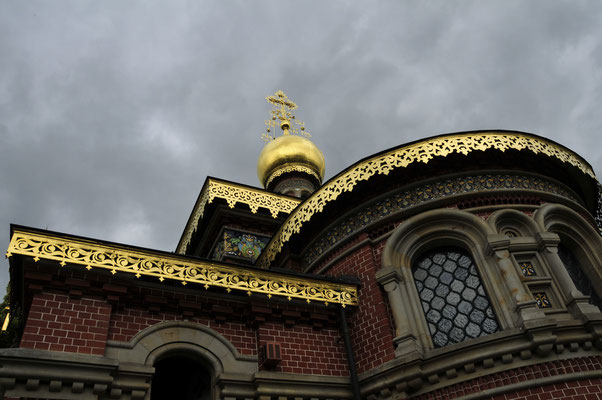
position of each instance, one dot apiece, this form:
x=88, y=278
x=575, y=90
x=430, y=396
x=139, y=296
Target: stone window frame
x=495, y=256
x=540, y=236
x=561, y=224
x=528, y=245
x=433, y=229
x=573, y=252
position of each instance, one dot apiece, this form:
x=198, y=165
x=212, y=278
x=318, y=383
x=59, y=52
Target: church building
x=460, y=266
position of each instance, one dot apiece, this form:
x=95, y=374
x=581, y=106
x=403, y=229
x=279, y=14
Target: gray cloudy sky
x=112, y=113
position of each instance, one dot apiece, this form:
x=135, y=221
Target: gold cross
x=282, y=112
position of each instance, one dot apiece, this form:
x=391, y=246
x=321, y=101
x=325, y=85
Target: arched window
x=453, y=297
x=576, y=262
x=575, y=270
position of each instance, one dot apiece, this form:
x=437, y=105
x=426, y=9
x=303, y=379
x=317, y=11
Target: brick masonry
x=580, y=389
x=57, y=322
x=585, y=389
x=78, y=312
x=371, y=326
x=306, y=350
x=127, y=322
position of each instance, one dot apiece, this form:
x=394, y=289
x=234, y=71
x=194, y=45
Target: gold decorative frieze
x=292, y=168
x=422, y=151
x=208, y=274
x=232, y=193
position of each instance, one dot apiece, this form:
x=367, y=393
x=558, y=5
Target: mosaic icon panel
x=240, y=245
x=527, y=268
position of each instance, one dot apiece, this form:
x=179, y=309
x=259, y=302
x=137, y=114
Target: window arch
x=453, y=297
x=512, y=223
x=579, y=254
x=576, y=271
x=423, y=236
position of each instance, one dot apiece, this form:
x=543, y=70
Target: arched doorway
x=179, y=376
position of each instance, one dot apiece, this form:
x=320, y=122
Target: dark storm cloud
x=113, y=113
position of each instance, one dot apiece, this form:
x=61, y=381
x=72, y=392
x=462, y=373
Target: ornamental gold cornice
x=422, y=151
x=232, y=193
x=292, y=168
x=140, y=263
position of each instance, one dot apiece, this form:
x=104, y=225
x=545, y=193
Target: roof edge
x=422, y=150
x=119, y=258
x=233, y=193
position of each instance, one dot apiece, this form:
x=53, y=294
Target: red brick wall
x=583, y=389
x=59, y=323
x=306, y=350
x=370, y=325
x=83, y=323
x=125, y=323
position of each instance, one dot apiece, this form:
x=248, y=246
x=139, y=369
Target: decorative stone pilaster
x=393, y=283
x=577, y=302
x=525, y=308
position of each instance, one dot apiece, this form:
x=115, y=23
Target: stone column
x=577, y=302
x=524, y=306
x=405, y=341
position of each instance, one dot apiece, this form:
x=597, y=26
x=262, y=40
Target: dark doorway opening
x=182, y=378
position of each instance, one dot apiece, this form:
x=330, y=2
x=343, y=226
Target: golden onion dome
x=289, y=153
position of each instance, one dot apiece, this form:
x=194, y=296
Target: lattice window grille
x=453, y=298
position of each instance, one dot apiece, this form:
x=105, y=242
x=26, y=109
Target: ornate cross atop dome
x=289, y=164
x=281, y=110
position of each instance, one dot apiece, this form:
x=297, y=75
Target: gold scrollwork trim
x=422, y=151
x=292, y=168
x=233, y=194
x=208, y=274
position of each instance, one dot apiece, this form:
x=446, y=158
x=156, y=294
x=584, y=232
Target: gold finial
x=282, y=107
